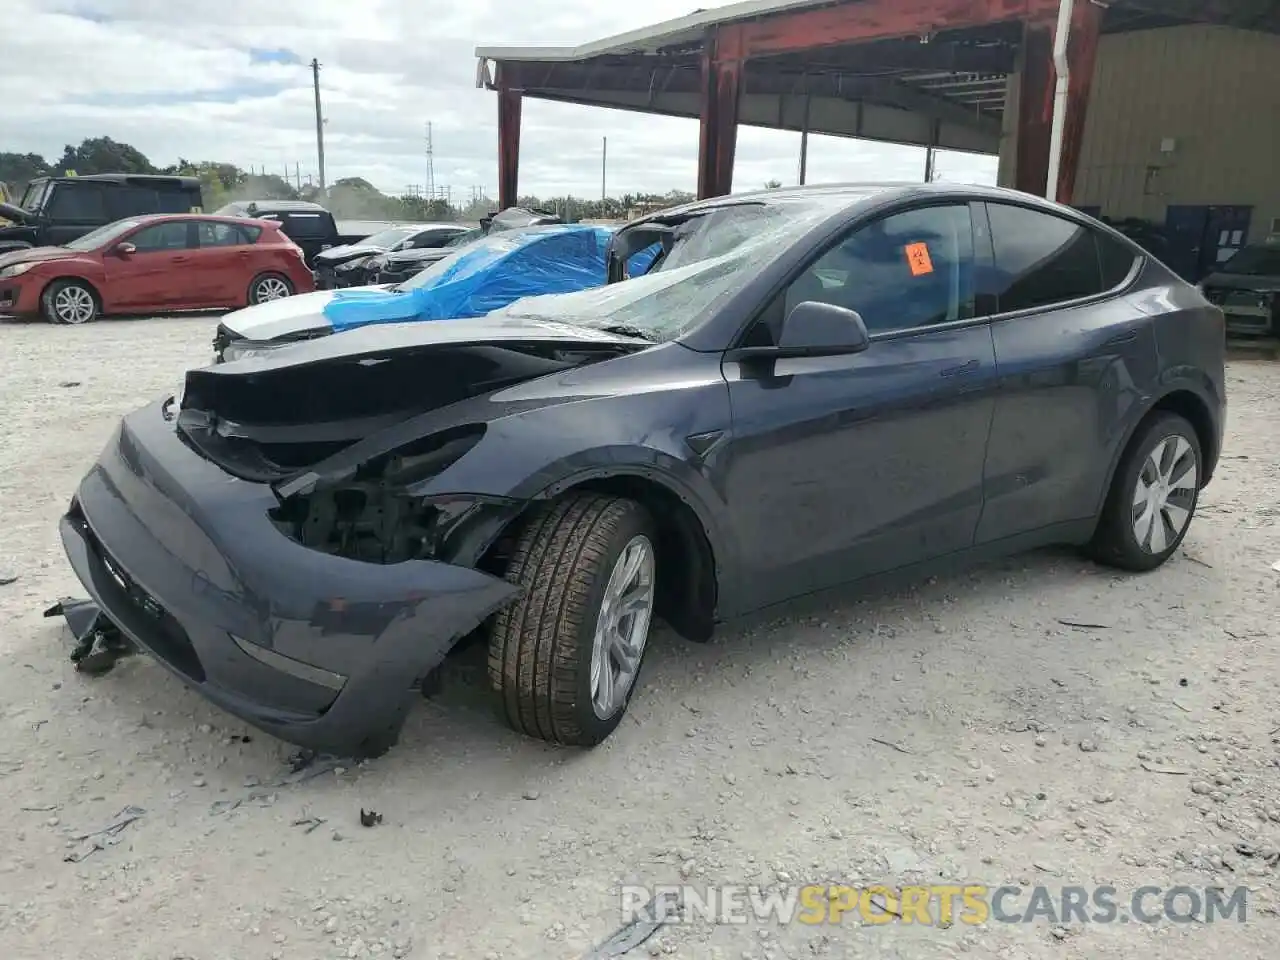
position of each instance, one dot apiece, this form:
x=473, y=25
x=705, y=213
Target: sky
x=230, y=81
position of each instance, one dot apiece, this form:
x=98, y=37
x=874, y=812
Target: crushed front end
x=296, y=626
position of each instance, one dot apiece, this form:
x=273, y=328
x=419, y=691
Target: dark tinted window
x=170, y=235
x=78, y=202
x=127, y=201
x=1117, y=260
x=308, y=226
x=1041, y=259
x=429, y=239
x=911, y=269
x=177, y=201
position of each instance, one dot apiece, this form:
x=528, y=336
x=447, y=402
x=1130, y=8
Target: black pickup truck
x=56, y=210
x=307, y=224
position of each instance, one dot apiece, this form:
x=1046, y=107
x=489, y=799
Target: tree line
x=348, y=198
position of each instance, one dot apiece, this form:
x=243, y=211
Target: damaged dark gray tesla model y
x=811, y=387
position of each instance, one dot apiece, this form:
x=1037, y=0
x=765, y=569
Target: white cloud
x=179, y=80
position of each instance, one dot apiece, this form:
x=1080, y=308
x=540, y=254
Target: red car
x=154, y=264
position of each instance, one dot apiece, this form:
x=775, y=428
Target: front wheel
x=1153, y=496
x=268, y=287
x=69, y=301
x=566, y=657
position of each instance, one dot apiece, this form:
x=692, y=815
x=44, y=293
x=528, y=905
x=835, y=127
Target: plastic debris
x=91, y=843
x=99, y=642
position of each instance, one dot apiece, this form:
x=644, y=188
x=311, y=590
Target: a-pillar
x=722, y=72
x=1035, y=99
x=509, y=108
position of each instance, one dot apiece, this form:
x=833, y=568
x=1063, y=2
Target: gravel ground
x=954, y=731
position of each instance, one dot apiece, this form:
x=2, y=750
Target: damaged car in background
x=485, y=275
x=347, y=265
x=807, y=392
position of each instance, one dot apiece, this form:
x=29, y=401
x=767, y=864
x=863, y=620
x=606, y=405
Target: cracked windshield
x=556, y=481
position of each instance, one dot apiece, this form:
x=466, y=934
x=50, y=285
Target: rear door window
x=1042, y=259
x=224, y=234
x=78, y=203
x=126, y=200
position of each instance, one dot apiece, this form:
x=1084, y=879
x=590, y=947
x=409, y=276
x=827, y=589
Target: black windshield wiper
x=625, y=330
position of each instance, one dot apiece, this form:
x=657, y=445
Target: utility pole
x=431, y=166
x=315, y=81
x=604, y=170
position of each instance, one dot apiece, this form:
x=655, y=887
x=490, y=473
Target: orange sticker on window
x=918, y=259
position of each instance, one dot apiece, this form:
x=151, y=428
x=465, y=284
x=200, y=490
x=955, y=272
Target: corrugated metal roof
x=670, y=33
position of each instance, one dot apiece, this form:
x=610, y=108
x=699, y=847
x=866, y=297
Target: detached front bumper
x=318, y=650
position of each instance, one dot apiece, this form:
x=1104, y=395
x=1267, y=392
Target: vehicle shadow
x=864, y=630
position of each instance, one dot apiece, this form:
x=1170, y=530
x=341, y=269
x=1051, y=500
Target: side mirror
x=813, y=329
x=125, y=249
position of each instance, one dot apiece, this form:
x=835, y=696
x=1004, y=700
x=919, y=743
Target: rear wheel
x=566, y=657
x=69, y=301
x=1153, y=496
x=269, y=286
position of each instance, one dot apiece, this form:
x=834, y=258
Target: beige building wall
x=1180, y=115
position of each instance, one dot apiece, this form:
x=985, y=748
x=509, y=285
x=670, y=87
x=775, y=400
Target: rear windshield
x=1259, y=260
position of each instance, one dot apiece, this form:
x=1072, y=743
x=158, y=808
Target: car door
x=155, y=275
x=1073, y=355
x=845, y=466
x=222, y=264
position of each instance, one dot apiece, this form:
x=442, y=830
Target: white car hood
x=284, y=317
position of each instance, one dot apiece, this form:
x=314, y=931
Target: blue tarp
x=489, y=274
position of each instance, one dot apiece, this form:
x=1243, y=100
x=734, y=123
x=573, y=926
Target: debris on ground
x=91, y=843
x=369, y=818
x=99, y=642
x=311, y=823
x=7, y=578
x=890, y=745
x=657, y=913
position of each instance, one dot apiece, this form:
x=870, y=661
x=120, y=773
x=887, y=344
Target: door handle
x=179, y=259
x=970, y=367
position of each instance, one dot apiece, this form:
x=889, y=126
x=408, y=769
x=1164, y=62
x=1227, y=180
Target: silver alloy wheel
x=74, y=304
x=270, y=288
x=1164, y=494
x=622, y=627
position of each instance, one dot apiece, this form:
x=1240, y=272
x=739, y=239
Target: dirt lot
x=955, y=731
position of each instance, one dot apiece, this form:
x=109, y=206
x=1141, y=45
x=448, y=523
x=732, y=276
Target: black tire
x=262, y=281
x=56, y=300
x=540, y=647
x=1115, y=543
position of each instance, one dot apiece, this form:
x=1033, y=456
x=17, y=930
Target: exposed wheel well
x=1194, y=410
x=686, y=563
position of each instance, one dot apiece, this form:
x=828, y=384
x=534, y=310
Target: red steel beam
x=1082, y=51
x=863, y=20
x=510, y=102
x=722, y=73
x=1035, y=108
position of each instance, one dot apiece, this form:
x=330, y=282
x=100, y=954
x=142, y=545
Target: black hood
x=267, y=417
